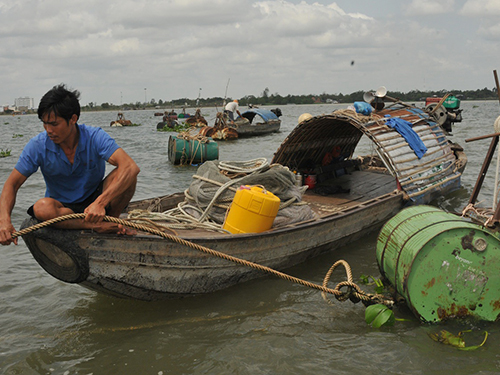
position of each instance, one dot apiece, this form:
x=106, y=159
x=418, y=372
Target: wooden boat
x=169, y=120
x=352, y=196
x=197, y=120
x=120, y=121
x=253, y=122
x=258, y=121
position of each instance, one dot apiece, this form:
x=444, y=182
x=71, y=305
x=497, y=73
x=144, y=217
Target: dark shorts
x=79, y=207
x=230, y=115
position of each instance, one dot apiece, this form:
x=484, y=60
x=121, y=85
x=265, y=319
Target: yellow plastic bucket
x=253, y=210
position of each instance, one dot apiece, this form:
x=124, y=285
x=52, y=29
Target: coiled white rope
x=179, y=218
x=248, y=166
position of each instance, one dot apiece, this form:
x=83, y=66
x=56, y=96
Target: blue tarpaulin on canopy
x=266, y=114
x=404, y=128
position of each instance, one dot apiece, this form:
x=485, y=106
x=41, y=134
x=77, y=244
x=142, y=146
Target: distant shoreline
x=168, y=108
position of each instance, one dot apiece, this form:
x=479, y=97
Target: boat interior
x=348, y=184
x=340, y=187
x=322, y=149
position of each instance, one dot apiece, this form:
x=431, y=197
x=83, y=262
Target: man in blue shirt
x=72, y=159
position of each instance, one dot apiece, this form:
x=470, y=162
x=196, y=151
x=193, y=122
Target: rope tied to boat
x=485, y=216
x=354, y=293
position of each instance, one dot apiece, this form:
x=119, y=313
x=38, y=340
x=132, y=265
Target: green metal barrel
x=191, y=151
x=445, y=267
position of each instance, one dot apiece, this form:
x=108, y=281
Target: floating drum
x=253, y=210
x=191, y=151
x=444, y=266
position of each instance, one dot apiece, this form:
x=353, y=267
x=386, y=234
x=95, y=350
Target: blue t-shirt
x=66, y=182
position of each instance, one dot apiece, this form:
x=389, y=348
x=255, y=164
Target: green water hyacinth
x=379, y=285
x=5, y=153
x=379, y=315
x=457, y=341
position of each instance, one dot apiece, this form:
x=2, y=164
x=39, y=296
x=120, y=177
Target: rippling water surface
x=267, y=326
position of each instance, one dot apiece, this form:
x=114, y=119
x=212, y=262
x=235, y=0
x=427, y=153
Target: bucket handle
x=264, y=190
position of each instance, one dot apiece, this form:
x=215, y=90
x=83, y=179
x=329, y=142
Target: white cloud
x=174, y=47
x=490, y=31
x=481, y=8
x=429, y=7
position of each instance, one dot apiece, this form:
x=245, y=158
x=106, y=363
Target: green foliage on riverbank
x=266, y=98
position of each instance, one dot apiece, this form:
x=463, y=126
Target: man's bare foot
x=126, y=230
x=106, y=227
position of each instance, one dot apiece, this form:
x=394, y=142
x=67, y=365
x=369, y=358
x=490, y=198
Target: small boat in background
x=172, y=119
x=169, y=120
x=196, y=120
x=253, y=122
x=120, y=121
x=259, y=121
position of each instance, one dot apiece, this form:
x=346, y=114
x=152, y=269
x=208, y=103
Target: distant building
x=23, y=104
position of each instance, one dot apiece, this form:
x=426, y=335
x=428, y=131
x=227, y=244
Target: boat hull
x=250, y=130
x=148, y=267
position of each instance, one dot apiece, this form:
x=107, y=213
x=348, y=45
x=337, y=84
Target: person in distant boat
x=231, y=108
x=72, y=158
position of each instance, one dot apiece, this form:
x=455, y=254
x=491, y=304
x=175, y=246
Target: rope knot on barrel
x=352, y=293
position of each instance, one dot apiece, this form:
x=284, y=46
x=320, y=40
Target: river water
x=266, y=326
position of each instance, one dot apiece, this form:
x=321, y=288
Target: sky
x=127, y=51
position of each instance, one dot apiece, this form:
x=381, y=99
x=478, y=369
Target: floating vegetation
x=177, y=128
x=379, y=315
x=17, y=135
x=457, y=341
x=5, y=153
x=379, y=285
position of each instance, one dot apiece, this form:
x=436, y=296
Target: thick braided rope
x=341, y=296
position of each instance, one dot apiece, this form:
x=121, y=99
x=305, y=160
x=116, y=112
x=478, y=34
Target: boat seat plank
x=363, y=186
x=367, y=184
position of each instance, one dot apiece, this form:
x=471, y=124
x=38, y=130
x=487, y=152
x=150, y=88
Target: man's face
x=57, y=128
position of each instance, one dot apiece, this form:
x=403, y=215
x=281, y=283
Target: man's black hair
x=60, y=101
